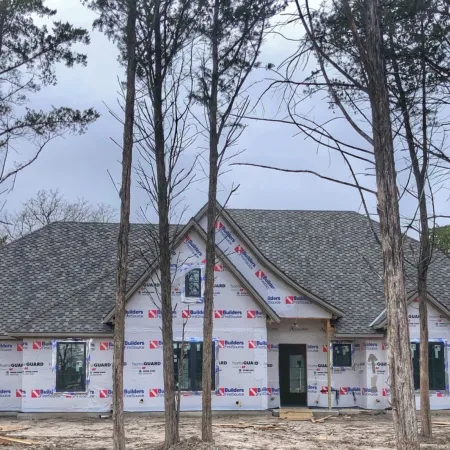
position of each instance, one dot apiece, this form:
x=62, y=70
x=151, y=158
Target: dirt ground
x=358, y=432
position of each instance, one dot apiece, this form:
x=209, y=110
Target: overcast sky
x=78, y=165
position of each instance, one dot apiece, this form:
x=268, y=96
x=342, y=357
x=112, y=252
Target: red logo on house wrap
x=20, y=393
x=36, y=393
x=155, y=344
x=221, y=343
x=218, y=314
x=153, y=393
x=343, y=391
x=220, y=392
x=441, y=394
x=154, y=314
x=254, y=314
x=251, y=344
x=289, y=300
x=217, y=267
x=106, y=345
x=385, y=392
x=20, y=347
x=324, y=348
x=253, y=392
x=185, y=314
x=265, y=279
x=104, y=393
x=42, y=345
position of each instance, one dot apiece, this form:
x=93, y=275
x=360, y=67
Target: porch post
x=329, y=361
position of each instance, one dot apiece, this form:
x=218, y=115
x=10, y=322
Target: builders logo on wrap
x=230, y=392
x=370, y=392
x=254, y=314
x=146, y=367
x=5, y=393
x=224, y=232
x=135, y=345
x=264, y=279
x=245, y=256
x=273, y=300
x=19, y=347
x=192, y=246
x=296, y=300
x=153, y=345
x=135, y=393
x=258, y=392
x=6, y=347
x=227, y=314
x=154, y=393
x=219, y=267
x=106, y=345
x=192, y=313
x=257, y=344
x=273, y=347
x=370, y=346
x=273, y=392
x=20, y=393
x=349, y=390
x=312, y=388
x=41, y=393
x=157, y=314
x=230, y=344
x=313, y=348
x=105, y=393
x=134, y=313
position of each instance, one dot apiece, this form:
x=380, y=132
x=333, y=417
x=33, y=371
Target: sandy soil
x=359, y=432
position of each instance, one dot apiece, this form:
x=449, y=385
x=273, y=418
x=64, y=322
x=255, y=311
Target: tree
x=355, y=79
x=28, y=54
x=440, y=237
x=369, y=54
x=164, y=32
x=48, y=207
x=130, y=8
x=232, y=33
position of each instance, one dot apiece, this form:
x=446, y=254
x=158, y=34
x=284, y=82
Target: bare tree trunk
x=124, y=229
x=425, y=250
x=171, y=429
x=207, y=434
x=399, y=355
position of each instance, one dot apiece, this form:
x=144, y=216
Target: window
x=71, y=367
x=342, y=355
x=436, y=365
x=191, y=375
x=193, y=283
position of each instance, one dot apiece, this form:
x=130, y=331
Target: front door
x=292, y=367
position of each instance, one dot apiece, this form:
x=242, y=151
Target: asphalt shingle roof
x=334, y=255
x=62, y=278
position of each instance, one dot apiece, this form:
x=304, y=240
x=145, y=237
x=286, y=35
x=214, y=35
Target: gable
x=286, y=301
x=233, y=303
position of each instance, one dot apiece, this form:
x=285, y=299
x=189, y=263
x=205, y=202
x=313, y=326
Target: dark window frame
x=336, y=361
x=436, y=380
x=194, y=365
x=187, y=284
x=62, y=387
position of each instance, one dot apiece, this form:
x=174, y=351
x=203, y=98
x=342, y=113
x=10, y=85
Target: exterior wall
x=239, y=332
x=33, y=390
x=354, y=386
x=279, y=295
x=438, y=330
x=11, y=375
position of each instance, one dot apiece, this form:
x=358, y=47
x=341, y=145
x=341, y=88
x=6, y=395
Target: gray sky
x=77, y=165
